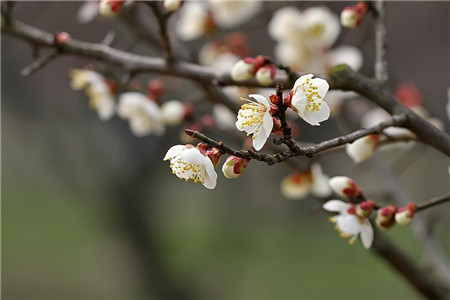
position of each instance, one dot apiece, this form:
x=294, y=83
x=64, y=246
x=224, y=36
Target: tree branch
x=344, y=78
x=381, y=64
x=433, y=202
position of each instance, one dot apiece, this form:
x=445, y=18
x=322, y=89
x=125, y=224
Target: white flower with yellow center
x=190, y=163
x=254, y=118
x=94, y=84
x=143, y=113
x=307, y=99
x=348, y=223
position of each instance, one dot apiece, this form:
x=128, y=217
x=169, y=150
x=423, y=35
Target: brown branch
x=403, y=264
x=39, y=63
x=308, y=151
x=162, y=18
x=433, y=202
x=128, y=61
x=344, y=78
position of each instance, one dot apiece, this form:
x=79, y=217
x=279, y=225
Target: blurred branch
x=403, y=264
x=296, y=150
x=39, y=63
x=344, y=78
x=162, y=18
x=434, y=201
x=381, y=64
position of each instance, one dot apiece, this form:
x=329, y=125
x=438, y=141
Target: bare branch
x=39, y=63
x=381, y=64
x=433, y=202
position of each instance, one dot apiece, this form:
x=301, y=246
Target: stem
x=434, y=202
x=39, y=63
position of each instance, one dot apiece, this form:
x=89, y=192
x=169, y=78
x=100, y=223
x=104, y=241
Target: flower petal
x=314, y=117
x=348, y=224
x=367, y=234
x=336, y=205
x=261, y=99
x=174, y=151
x=210, y=175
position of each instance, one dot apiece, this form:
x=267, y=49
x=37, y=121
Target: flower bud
x=365, y=208
x=345, y=187
x=352, y=16
x=266, y=74
x=62, y=38
x=363, y=148
x=385, y=217
x=214, y=155
x=246, y=68
x=276, y=124
x=109, y=8
x=172, y=5
x=405, y=214
x=155, y=88
x=274, y=99
x=234, y=166
x=174, y=112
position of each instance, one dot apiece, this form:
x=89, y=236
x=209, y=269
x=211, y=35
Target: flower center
x=187, y=171
x=252, y=113
x=312, y=96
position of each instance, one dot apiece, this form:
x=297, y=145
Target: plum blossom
x=363, y=148
x=348, y=223
x=404, y=215
x=299, y=185
x=352, y=16
x=191, y=163
x=345, y=187
x=254, y=118
x=230, y=14
x=307, y=99
x=143, y=113
x=99, y=92
x=172, y=5
x=304, y=40
x=194, y=21
x=173, y=112
x=234, y=166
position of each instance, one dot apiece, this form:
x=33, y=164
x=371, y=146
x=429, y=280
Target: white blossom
x=143, y=113
x=98, y=91
x=230, y=14
x=299, y=185
x=307, y=99
x=348, y=223
x=172, y=5
x=173, y=112
x=190, y=163
x=192, y=21
x=363, y=148
x=254, y=118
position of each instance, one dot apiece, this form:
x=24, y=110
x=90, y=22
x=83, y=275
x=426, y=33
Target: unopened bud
x=62, y=38
x=276, y=124
x=352, y=16
x=362, y=149
x=234, y=166
x=385, y=217
x=174, y=112
x=246, y=68
x=109, y=8
x=297, y=186
x=266, y=74
x=365, y=208
x=345, y=187
x=214, y=155
x=405, y=214
x=274, y=99
x=172, y=5
x=155, y=89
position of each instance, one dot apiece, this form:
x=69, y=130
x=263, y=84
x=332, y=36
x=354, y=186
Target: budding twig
x=433, y=202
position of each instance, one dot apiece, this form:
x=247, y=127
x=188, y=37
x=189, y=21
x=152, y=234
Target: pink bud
x=352, y=16
x=234, y=166
x=345, y=187
x=62, y=38
x=109, y=7
x=214, y=155
x=266, y=74
x=385, y=217
x=155, y=89
x=365, y=208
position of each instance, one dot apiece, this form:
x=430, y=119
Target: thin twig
x=162, y=18
x=433, y=202
x=39, y=63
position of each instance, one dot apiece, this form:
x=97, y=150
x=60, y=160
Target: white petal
x=348, y=224
x=194, y=156
x=336, y=205
x=261, y=99
x=210, y=175
x=361, y=149
x=87, y=11
x=300, y=81
x=314, y=117
x=260, y=140
x=174, y=151
x=267, y=123
x=322, y=86
x=367, y=234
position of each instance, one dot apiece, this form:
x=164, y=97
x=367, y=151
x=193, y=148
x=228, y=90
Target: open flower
x=254, y=118
x=348, y=223
x=307, y=99
x=230, y=14
x=194, y=21
x=189, y=162
x=98, y=91
x=143, y=113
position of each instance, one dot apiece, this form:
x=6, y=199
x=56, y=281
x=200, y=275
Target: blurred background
x=89, y=211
